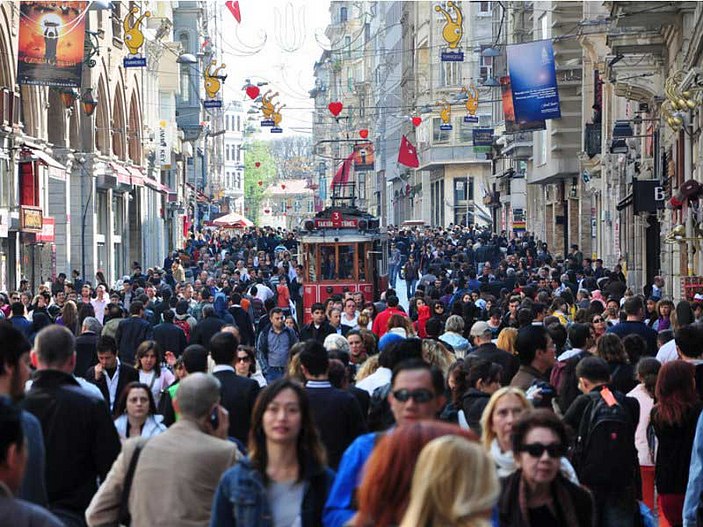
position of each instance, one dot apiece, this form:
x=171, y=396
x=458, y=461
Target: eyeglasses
x=439, y=307
x=243, y=359
x=597, y=320
x=536, y=450
x=419, y=396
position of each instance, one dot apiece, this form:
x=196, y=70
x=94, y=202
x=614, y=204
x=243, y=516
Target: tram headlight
x=363, y=225
x=309, y=225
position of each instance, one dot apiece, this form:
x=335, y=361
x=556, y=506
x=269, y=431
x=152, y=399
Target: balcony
x=592, y=139
x=438, y=156
x=518, y=145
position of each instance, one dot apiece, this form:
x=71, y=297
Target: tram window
x=328, y=262
x=362, y=262
x=312, y=263
x=346, y=262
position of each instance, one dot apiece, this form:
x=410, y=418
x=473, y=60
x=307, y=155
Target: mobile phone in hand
x=215, y=418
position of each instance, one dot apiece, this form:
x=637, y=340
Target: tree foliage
x=256, y=179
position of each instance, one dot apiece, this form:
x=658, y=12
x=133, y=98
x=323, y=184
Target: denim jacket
x=694, y=490
x=241, y=498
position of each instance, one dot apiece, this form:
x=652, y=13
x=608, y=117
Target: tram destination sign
x=336, y=221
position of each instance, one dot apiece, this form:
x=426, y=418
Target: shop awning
x=136, y=175
x=121, y=174
x=56, y=169
x=233, y=221
x=152, y=183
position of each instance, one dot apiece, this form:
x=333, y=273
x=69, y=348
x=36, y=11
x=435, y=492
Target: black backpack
x=605, y=454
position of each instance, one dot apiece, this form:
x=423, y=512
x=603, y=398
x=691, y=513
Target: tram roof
x=340, y=236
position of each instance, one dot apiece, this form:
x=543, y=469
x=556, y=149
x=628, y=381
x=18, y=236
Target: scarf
x=505, y=462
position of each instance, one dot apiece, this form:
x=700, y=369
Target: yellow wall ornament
x=133, y=36
x=267, y=104
x=445, y=114
x=213, y=80
x=453, y=29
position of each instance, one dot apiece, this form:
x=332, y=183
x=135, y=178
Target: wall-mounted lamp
x=89, y=102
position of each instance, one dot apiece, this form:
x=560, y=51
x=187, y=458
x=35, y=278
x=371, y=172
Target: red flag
x=234, y=9
x=407, y=154
x=342, y=175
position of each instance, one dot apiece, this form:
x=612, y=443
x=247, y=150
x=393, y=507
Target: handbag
x=124, y=517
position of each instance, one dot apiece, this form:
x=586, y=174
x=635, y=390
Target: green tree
x=257, y=178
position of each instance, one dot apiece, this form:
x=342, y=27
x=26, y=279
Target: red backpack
x=183, y=324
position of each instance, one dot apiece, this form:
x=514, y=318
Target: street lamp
x=187, y=58
x=89, y=102
x=68, y=97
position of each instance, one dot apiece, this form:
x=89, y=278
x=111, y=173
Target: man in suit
x=242, y=320
x=336, y=413
x=86, y=344
x=238, y=393
x=110, y=374
x=319, y=328
x=336, y=322
x=169, y=336
x=206, y=327
x=132, y=332
x=185, y=463
x=80, y=439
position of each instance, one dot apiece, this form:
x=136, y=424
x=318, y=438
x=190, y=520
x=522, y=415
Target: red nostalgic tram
x=343, y=250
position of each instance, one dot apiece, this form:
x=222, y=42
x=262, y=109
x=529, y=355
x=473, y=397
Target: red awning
x=56, y=169
x=121, y=173
x=136, y=175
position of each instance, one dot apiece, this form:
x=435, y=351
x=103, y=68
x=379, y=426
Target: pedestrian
x=14, y=454
x=647, y=371
x=454, y=485
x=183, y=464
x=417, y=392
x=284, y=480
x=151, y=368
x=136, y=413
x=110, y=374
x=622, y=373
x=384, y=492
x=536, y=353
x=485, y=349
x=604, y=455
x=483, y=380
x=170, y=337
x=674, y=419
x=245, y=365
x=206, y=327
x=132, y=331
x=336, y=413
x=319, y=328
x=80, y=439
x=238, y=394
x=634, y=311
x=537, y=493
x=86, y=346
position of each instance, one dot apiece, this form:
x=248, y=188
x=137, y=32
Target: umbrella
x=233, y=221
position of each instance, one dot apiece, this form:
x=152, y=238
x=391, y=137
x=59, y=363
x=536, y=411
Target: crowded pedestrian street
x=324, y=263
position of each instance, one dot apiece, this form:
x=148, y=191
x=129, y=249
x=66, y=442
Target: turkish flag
x=342, y=175
x=407, y=154
x=234, y=9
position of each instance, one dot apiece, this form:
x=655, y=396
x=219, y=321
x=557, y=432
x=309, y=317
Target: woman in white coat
x=137, y=413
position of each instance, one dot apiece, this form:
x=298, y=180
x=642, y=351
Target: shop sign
x=31, y=219
x=336, y=221
x=48, y=231
x=4, y=223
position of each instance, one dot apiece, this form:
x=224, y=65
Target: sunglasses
x=597, y=320
x=243, y=359
x=419, y=396
x=439, y=307
x=536, y=450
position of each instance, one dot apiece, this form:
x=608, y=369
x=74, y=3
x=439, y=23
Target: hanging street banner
x=533, y=80
x=364, y=157
x=511, y=125
x=50, y=48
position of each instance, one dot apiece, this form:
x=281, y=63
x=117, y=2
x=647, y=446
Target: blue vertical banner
x=533, y=79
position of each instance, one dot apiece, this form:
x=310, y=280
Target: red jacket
x=423, y=315
x=380, y=323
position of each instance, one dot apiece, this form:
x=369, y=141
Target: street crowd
x=514, y=389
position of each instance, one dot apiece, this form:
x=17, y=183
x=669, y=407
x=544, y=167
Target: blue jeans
x=393, y=274
x=615, y=508
x=411, y=284
x=273, y=373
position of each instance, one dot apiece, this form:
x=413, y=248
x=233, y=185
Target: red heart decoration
x=283, y=186
x=253, y=91
x=257, y=164
x=260, y=183
x=417, y=121
x=364, y=133
x=335, y=108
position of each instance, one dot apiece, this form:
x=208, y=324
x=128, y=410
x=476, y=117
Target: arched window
x=185, y=69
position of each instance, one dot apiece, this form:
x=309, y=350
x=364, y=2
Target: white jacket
x=152, y=426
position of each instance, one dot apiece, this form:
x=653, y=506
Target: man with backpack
x=605, y=457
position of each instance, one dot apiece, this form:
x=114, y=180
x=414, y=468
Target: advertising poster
x=483, y=139
x=533, y=80
x=50, y=48
x=511, y=125
x=364, y=157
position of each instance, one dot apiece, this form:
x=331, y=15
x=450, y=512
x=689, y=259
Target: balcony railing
x=592, y=139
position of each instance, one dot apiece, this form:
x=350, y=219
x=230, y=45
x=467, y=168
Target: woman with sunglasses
x=246, y=365
x=599, y=325
x=537, y=494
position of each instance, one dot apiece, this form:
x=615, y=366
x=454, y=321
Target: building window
x=239, y=124
x=342, y=14
x=439, y=136
x=239, y=153
x=484, y=8
x=465, y=131
x=227, y=148
x=463, y=198
x=227, y=122
x=347, y=46
x=450, y=73
x=29, y=188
